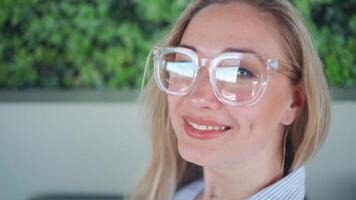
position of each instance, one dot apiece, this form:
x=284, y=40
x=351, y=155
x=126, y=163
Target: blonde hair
x=167, y=171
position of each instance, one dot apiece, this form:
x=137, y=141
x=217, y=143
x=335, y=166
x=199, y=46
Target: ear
x=298, y=101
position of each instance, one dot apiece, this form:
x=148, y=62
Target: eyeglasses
x=237, y=78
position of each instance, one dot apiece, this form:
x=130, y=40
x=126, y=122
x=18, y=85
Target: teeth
x=209, y=128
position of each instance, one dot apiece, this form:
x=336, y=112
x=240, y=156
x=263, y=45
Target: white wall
x=102, y=148
x=332, y=173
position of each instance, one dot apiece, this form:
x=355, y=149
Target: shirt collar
x=291, y=186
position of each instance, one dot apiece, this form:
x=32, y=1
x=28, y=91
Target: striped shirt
x=291, y=187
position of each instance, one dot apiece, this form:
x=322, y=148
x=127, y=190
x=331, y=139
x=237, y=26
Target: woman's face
x=254, y=131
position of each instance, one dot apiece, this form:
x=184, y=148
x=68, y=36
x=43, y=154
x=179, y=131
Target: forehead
x=232, y=25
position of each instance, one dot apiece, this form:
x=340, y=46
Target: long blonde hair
x=167, y=171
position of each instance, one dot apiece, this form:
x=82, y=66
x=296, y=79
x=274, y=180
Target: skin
x=248, y=158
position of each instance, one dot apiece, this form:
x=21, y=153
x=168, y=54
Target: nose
x=202, y=95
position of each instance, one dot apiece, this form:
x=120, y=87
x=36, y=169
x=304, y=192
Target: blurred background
x=70, y=72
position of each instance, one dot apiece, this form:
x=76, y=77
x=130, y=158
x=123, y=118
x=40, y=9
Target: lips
x=200, y=128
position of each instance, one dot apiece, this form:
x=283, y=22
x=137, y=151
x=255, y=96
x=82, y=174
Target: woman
x=237, y=102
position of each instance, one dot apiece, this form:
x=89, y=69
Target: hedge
x=103, y=44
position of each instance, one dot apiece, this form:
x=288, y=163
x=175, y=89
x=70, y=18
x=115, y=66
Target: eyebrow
x=228, y=49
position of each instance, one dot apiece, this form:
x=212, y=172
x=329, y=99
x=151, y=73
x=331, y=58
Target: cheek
x=278, y=98
x=260, y=123
x=251, y=131
x=173, y=103
x=268, y=112
x=246, y=138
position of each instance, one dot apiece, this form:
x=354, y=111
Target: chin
x=197, y=155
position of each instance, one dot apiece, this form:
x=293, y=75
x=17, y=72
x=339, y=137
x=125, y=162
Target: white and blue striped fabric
x=291, y=187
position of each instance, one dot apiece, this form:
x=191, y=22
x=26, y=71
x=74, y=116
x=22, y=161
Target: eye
x=239, y=68
x=245, y=73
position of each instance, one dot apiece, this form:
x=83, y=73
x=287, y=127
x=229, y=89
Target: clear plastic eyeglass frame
x=271, y=64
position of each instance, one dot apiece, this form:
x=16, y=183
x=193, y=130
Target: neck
x=243, y=179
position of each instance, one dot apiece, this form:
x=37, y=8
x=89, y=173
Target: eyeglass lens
x=236, y=79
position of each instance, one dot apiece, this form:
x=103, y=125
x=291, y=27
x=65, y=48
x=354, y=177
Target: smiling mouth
x=204, y=130
x=207, y=127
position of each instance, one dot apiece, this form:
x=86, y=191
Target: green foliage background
x=103, y=44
